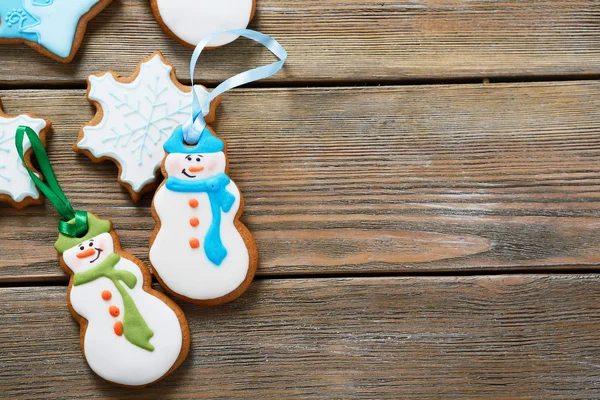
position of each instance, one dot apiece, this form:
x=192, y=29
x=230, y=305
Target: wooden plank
x=350, y=40
x=466, y=338
x=352, y=180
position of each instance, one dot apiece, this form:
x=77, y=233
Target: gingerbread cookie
x=188, y=21
x=16, y=186
x=134, y=118
x=131, y=335
x=200, y=250
x=54, y=28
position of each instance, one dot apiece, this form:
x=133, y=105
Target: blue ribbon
x=192, y=129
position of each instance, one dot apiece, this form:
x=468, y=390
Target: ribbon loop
x=192, y=129
x=52, y=189
x=78, y=229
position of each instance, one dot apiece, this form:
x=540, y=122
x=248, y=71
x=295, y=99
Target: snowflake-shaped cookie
x=16, y=186
x=135, y=117
x=55, y=28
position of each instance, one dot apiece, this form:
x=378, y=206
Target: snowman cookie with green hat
x=131, y=334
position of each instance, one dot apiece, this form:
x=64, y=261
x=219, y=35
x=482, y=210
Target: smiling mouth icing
x=186, y=174
x=97, y=257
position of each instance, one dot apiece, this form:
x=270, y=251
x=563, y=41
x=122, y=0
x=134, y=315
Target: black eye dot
x=81, y=247
x=198, y=159
x=91, y=244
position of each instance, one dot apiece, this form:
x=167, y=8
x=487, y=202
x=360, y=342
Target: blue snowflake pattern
x=141, y=135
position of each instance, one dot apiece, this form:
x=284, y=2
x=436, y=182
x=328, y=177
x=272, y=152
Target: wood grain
x=387, y=179
x=350, y=41
x=525, y=337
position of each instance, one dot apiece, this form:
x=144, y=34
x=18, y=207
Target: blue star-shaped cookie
x=49, y=26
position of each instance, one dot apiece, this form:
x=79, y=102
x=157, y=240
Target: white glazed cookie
x=131, y=335
x=200, y=251
x=188, y=21
x=135, y=117
x=16, y=186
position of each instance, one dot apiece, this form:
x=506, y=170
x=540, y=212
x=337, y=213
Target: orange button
x=193, y=203
x=114, y=311
x=106, y=295
x=118, y=328
x=194, y=222
x=194, y=243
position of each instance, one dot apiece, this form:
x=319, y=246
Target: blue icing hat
x=207, y=143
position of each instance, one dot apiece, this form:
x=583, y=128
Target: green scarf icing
x=135, y=329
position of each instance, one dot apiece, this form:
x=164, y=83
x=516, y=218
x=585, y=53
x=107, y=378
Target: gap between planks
x=36, y=281
x=324, y=84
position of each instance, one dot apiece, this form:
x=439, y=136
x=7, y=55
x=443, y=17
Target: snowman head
x=88, y=251
x=195, y=166
x=201, y=161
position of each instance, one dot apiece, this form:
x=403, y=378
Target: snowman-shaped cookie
x=131, y=334
x=188, y=21
x=200, y=252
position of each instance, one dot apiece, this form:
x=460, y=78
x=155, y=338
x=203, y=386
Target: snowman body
x=187, y=270
x=105, y=347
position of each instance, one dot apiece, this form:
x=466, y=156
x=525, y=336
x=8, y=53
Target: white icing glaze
x=14, y=179
x=191, y=20
x=137, y=119
x=185, y=270
x=111, y=356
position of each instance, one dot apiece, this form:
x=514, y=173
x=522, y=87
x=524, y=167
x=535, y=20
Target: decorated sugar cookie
x=188, y=21
x=55, y=28
x=130, y=334
x=200, y=250
x=16, y=187
x=135, y=117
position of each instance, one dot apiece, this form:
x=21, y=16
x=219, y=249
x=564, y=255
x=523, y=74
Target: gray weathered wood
x=350, y=40
x=386, y=179
x=523, y=336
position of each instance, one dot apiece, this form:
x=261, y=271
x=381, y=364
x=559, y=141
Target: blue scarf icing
x=220, y=199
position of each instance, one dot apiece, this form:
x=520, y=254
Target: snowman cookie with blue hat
x=200, y=250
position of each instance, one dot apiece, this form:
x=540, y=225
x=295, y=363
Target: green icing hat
x=96, y=226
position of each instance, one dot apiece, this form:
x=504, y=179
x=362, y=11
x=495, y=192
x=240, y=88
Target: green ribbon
x=52, y=190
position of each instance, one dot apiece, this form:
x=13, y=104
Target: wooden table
x=423, y=182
